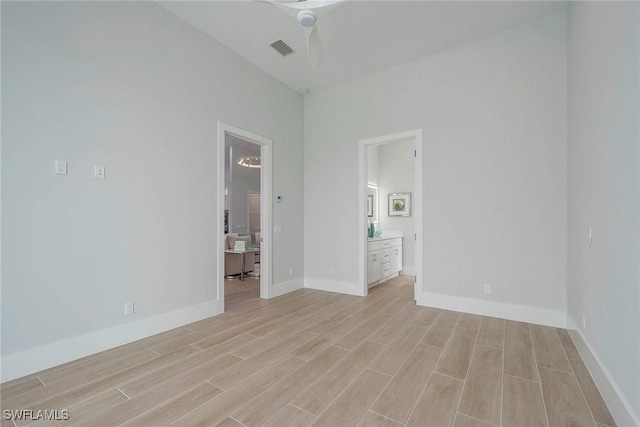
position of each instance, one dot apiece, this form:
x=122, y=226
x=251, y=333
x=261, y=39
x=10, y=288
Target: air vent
x=282, y=48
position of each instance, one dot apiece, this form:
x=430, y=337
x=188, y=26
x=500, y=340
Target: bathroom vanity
x=384, y=258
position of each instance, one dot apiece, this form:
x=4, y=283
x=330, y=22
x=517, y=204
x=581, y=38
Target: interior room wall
x=243, y=180
x=129, y=86
x=373, y=164
x=396, y=175
x=604, y=189
x=493, y=116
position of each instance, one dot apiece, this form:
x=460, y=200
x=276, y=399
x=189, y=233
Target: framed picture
x=370, y=205
x=400, y=204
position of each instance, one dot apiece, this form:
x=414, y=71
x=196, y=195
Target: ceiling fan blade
x=315, y=5
x=306, y=13
x=314, y=46
x=293, y=7
x=284, y=7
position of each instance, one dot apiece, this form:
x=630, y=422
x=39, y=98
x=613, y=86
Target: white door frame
x=265, y=206
x=417, y=204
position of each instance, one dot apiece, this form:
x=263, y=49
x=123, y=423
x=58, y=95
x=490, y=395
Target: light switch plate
x=61, y=167
x=129, y=308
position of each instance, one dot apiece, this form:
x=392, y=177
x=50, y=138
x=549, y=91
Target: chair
x=233, y=260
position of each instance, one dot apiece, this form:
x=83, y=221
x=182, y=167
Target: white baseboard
x=522, y=313
x=286, y=287
x=46, y=356
x=408, y=271
x=334, y=286
x=381, y=281
x=618, y=405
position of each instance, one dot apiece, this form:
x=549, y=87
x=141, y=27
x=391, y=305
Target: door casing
x=417, y=205
x=265, y=207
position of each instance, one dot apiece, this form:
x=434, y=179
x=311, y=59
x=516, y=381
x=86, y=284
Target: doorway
x=253, y=213
x=392, y=200
x=244, y=214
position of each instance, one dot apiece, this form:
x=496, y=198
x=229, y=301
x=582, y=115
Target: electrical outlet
x=590, y=236
x=332, y=272
x=487, y=289
x=584, y=322
x=98, y=172
x=290, y=272
x=128, y=308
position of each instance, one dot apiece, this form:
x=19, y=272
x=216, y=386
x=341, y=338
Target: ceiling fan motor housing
x=307, y=18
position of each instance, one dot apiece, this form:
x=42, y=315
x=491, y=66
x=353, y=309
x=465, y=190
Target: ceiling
x=359, y=37
x=241, y=147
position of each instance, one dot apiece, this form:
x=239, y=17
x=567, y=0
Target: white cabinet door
x=374, y=266
x=396, y=259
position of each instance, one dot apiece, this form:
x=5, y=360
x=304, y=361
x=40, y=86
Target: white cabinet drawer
x=386, y=269
x=395, y=242
x=386, y=243
x=383, y=244
x=375, y=246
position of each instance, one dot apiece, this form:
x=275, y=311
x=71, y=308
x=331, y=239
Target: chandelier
x=249, y=161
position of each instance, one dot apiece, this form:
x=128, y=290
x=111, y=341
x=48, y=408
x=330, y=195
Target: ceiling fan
x=307, y=13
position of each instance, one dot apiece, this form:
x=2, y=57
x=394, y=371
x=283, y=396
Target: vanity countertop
x=387, y=235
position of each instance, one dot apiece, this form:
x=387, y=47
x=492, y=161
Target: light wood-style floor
x=325, y=359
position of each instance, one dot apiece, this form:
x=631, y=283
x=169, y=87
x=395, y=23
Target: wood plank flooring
x=324, y=359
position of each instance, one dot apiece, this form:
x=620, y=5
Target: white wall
x=243, y=180
x=604, y=188
x=373, y=164
x=493, y=114
x=131, y=87
x=396, y=175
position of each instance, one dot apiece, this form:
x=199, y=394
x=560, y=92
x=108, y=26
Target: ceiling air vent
x=282, y=48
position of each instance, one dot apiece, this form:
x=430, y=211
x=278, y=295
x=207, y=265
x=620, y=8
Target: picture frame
x=370, y=205
x=400, y=204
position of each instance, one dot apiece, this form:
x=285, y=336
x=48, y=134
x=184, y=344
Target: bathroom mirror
x=372, y=202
